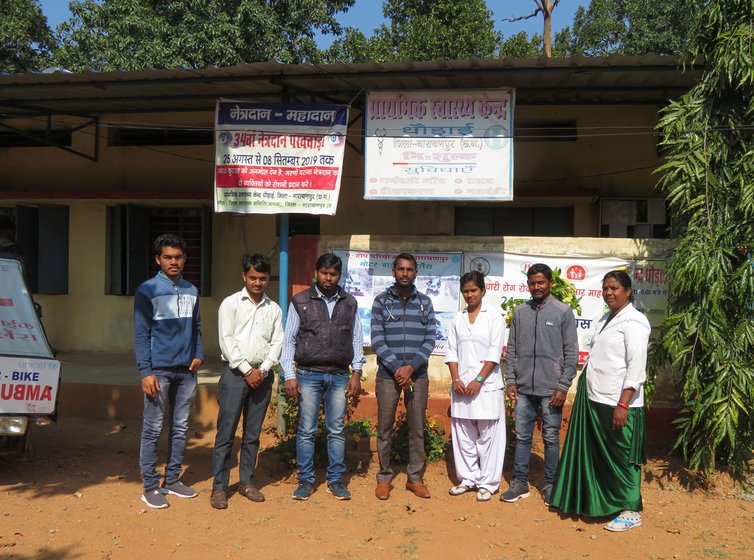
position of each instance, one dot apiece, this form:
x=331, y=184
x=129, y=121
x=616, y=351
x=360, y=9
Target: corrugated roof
x=648, y=79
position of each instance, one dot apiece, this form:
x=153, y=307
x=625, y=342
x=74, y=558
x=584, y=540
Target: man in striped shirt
x=403, y=333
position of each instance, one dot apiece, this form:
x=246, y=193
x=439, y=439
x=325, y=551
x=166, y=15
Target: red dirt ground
x=76, y=495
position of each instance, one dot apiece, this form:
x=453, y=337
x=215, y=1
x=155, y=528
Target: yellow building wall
x=613, y=155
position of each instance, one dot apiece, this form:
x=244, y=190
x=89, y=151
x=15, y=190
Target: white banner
x=272, y=159
x=28, y=385
x=367, y=274
x=650, y=283
x=439, y=145
x=506, y=279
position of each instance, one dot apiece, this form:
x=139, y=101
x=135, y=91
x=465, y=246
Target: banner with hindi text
x=366, y=274
x=439, y=145
x=505, y=279
x=272, y=159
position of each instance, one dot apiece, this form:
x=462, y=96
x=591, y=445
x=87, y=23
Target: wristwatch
x=265, y=373
x=479, y=379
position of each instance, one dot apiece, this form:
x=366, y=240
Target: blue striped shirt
x=403, y=332
x=292, y=325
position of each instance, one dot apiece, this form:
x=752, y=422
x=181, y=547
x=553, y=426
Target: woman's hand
x=458, y=386
x=620, y=417
x=473, y=388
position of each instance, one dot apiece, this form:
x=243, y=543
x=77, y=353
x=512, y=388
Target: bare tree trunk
x=547, y=7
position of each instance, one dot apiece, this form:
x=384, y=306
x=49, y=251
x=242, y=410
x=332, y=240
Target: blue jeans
x=174, y=400
x=526, y=414
x=316, y=386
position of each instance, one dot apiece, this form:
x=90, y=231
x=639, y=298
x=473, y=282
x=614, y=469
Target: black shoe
x=304, y=490
x=515, y=491
x=339, y=490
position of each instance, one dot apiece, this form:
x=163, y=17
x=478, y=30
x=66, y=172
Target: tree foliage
x=26, y=40
x=136, y=34
x=631, y=27
x=708, y=178
x=521, y=45
x=423, y=30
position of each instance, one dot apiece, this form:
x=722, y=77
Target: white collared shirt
x=618, y=357
x=250, y=333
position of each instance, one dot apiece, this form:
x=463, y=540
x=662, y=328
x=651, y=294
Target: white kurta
x=618, y=357
x=470, y=345
x=478, y=422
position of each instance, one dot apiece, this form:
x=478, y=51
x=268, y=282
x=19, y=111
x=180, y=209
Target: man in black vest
x=323, y=337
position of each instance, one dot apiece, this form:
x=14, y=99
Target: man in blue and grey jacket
x=541, y=360
x=403, y=336
x=168, y=347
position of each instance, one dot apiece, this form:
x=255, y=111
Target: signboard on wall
x=505, y=279
x=439, y=145
x=272, y=159
x=366, y=274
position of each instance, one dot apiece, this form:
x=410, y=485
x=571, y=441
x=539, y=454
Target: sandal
x=460, y=489
x=625, y=521
x=483, y=495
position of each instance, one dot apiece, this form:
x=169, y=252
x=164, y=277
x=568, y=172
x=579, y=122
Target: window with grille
x=634, y=218
x=134, y=228
x=494, y=221
x=39, y=236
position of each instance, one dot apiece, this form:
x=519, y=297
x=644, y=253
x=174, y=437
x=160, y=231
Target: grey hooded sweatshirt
x=543, y=349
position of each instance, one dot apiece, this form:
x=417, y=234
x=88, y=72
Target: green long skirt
x=600, y=468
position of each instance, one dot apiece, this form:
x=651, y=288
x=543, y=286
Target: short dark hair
x=622, y=278
x=404, y=257
x=539, y=268
x=168, y=240
x=474, y=276
x=329, y=260
x=258, y=262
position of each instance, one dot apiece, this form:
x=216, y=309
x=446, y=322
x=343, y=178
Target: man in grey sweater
x=541, y=360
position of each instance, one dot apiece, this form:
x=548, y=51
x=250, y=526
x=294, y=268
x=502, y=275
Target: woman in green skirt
x=600, y=469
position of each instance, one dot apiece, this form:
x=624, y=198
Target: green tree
x=26, y=40
x=423, y=30
x=136, y=34
x=708, y=178
x=631, y=27
x=521, y=45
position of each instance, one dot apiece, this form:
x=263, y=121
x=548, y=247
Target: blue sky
x=367, y=14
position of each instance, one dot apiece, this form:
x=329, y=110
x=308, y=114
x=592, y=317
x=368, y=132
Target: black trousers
x=236, y=397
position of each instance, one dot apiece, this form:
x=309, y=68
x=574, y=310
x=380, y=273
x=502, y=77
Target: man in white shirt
x=251, y=337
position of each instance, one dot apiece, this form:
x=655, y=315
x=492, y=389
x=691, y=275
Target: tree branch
x=531, y=15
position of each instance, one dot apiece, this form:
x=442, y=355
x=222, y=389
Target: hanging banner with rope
x=439, y=145
x=272, y=159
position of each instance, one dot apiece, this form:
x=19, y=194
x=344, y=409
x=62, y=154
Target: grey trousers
x=388, y=394
x=236, y=397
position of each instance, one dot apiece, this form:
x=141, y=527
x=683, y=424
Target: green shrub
x=435, y=442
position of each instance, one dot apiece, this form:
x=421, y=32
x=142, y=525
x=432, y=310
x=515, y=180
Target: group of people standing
x=321, y=355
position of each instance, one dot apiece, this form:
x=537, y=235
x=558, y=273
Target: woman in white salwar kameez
x=477, y=408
